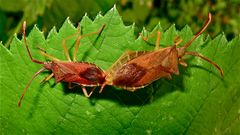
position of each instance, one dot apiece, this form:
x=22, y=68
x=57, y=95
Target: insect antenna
x=199, y=32
x=25, y=90
x=26, y=44
x=182, y=49
x=208, y=60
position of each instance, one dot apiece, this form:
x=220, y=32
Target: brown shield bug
x=137, y=69
x=80, y=73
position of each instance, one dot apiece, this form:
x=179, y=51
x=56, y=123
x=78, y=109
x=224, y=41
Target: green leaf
x=198, y=101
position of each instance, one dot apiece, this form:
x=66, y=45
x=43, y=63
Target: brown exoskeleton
x=137, y=69
x=80, y=73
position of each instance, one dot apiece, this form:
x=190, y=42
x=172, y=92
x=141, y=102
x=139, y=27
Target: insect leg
x=183, y=63
x=83, y=89
x=66, y=50
x=77, y=44
x=47, y=78
x=86, y=93
x=145, y=38
x=131, y=90
x=26, y=44
x=67, y=38
x=92, y=89
x=43, y=52
x=177, y=40
x=157, y=42
x=49, y=56
x=169, y=77
x=102, y=87
x=70, y=85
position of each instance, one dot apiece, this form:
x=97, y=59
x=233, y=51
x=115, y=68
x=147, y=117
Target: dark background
x=49, y=13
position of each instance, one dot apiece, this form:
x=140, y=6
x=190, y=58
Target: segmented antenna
x=25, y=90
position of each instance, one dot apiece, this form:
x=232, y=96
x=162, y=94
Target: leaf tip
x=85, y=19
x=35, y=31
x=133, y=25
x=114, y=8
x=144, y=30
x=67, y=23
x=53, y=31
x=99, y=15
x=157, y=27
x=15, y=35
x=68, y=20
x=85, y=15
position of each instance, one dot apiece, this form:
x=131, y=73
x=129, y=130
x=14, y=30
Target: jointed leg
x=145, y=38
x=66, y=50
x=85, y=91
x=47, y=78
x=91, y=91
x=157, y=43
x=70, y=85
x=64, y=42
x=102, y=87
x=77, y=44
x=49, y=56
x=177, y=40
x=169, y=77
x=183, y=63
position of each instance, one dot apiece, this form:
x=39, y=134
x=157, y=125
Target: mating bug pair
x=133, y=70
